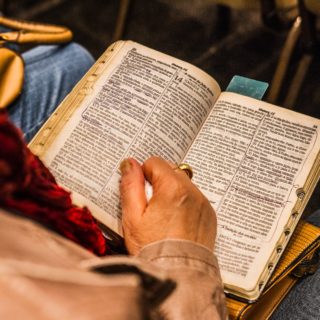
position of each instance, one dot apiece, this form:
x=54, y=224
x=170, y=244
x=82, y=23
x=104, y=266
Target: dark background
x=196, y=31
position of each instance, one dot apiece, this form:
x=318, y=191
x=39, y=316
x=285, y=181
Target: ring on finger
x=185, y=168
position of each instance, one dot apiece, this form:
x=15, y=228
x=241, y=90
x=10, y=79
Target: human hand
x=177, y=209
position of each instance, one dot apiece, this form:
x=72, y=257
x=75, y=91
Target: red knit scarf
x=28, y=188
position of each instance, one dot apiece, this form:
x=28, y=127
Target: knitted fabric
x=27, y=187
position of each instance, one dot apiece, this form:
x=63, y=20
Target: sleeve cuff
x=173, y=253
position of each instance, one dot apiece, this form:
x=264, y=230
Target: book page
x=250, y=159
x=145, y=103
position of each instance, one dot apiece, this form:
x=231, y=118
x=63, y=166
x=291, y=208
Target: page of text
x=250, y=160
x=146, y=103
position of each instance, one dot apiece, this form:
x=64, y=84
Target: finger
x=175, y=167
x=132, y=191
x=157, y=170
x=172, y=164
x=164, y=175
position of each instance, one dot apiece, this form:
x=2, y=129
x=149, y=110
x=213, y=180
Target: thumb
x=132, y=191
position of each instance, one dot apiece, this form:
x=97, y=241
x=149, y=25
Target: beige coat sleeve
x=199, y=293
x=44, y=276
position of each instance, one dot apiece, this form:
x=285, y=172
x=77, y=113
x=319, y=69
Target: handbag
x=300, y=258
x=11, y=62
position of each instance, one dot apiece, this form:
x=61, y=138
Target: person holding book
x=43, y=275
x=196, y=272
x=50, y=72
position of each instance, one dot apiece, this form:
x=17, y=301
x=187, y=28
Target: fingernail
x=125, y=166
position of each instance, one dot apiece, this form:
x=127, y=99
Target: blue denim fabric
x=50, y=73
x=303, y=302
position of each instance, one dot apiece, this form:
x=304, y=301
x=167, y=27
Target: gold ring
x=185, y=168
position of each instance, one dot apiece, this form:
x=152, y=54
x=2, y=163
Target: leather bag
x=11, y=62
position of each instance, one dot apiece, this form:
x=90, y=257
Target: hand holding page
x=178, y=210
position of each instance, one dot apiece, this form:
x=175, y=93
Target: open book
x=256, y=163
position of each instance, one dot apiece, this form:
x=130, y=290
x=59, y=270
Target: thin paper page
x=146, y=103
x=250, y=158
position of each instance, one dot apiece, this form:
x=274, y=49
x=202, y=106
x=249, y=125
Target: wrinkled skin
x=176, y=210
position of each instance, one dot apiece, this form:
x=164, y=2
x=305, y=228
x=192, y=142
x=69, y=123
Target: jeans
x=303, y=301
x=50, y=73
